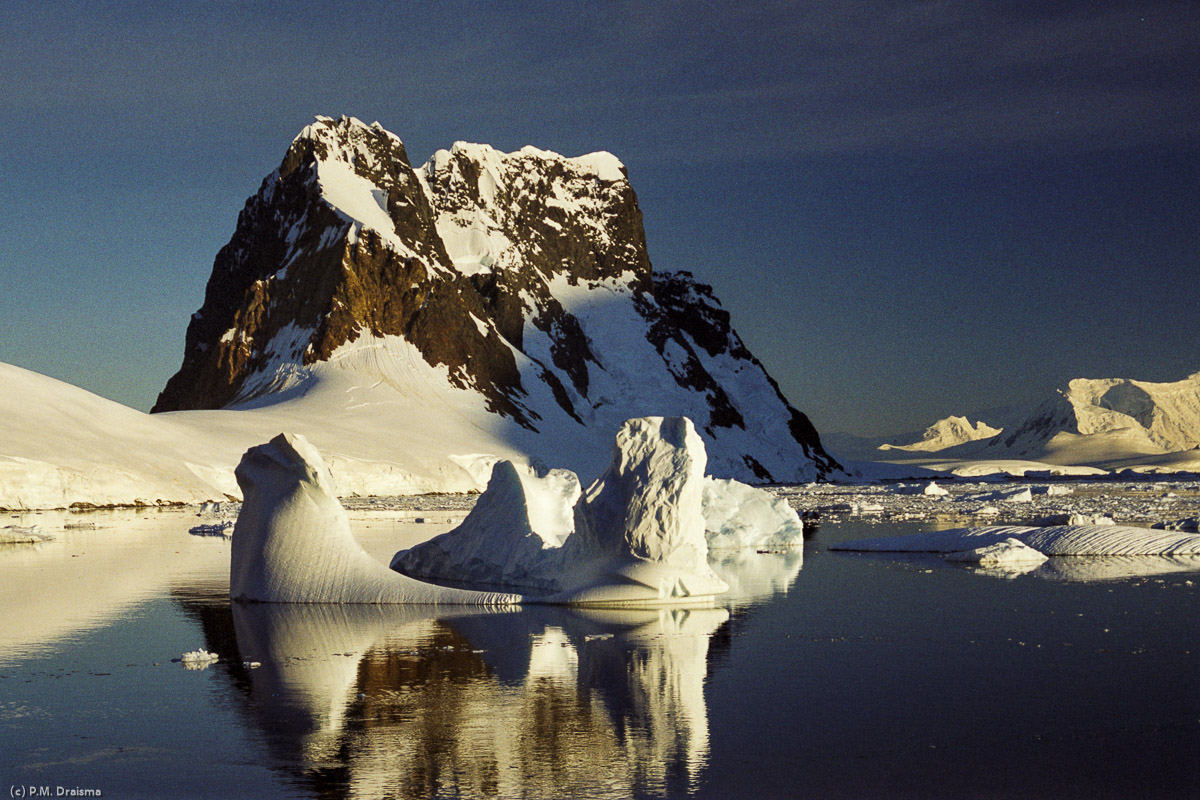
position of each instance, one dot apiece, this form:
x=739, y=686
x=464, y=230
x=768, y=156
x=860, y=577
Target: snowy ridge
x=947, y=432
x=1096, y=425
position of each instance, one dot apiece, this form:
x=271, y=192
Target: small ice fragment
x=198, y=659
x=1001, y=554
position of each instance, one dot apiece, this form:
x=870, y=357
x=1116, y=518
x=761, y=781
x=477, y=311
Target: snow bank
x=1058, y=540
x=737, y=516
x=292, y=541
x=638, y=534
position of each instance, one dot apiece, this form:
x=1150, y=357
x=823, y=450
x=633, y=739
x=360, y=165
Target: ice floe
x=1057, y=540
x=1007, y=553
x=198, y=659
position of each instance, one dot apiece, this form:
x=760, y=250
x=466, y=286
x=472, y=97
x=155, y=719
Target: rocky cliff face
x=522, y=277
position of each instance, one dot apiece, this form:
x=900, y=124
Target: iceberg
x=639, y=528
x=512, y=537
x=738, y=516
x=292, y=541
x=640, y=534
x=637, y=535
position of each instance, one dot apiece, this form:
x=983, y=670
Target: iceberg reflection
x=541, y=702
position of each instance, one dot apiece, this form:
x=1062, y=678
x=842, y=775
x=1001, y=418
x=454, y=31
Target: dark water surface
x=835, y=675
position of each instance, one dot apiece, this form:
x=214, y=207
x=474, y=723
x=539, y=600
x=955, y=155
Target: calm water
x=834, y=675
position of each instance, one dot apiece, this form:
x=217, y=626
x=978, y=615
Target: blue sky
x=911, y=209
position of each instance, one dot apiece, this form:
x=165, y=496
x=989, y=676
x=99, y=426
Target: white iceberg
x=292, y=542
x=512, y=537
x=639, y=529
x=737, y=516
x=638, y=534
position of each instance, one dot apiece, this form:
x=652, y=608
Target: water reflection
x=84, y=579
x=412, y=702
x=754, y=576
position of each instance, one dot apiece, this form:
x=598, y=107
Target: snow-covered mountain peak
x=945, y=433
x=521, y=280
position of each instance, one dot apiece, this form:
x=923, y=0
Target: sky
x=910, y=209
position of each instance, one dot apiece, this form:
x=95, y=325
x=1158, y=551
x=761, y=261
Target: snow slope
x=62, y=445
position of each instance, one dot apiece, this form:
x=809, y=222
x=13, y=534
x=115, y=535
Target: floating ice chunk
x=1023, y=495
x=930, y=489
x=1090, y=519
x=198, y=659
x=737, y=515
x=17, y=534
x=1010, y=552
x=1058, y=540
x=292, y=542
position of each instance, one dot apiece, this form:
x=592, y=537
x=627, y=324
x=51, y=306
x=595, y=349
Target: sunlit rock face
x=521, y=280
x=292, y=541
x=636, y=535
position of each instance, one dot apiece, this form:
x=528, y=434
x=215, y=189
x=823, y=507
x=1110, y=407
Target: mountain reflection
x=417, y=702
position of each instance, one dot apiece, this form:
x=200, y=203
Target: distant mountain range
x=1109, y=424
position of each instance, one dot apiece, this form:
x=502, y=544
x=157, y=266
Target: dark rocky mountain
x=522, y=279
